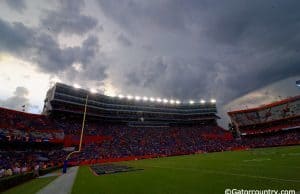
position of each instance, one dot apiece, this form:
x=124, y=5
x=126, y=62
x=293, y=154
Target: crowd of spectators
x=103, y=141
x=270, y=127
x=127, y=141
x=21, y=162
x=279, y=138
x=20, y=126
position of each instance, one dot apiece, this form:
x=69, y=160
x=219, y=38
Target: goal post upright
x=65, y=165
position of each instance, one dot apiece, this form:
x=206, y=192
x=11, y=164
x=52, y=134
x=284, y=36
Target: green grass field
x=271, y=168
x=30, y=187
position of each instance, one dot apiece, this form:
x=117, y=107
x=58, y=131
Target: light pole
x=65, y=166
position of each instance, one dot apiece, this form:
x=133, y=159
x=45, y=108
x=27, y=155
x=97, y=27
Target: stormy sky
x=240, y=52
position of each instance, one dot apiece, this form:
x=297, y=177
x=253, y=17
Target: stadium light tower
x=137, y=98
x=145, y=98
x=298, y=83
x=112, y=95
x=93, y=90
x=213, y=101
x=65, y=166
x=77, y=86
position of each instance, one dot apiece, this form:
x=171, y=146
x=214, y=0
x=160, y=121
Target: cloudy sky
x=240, y=52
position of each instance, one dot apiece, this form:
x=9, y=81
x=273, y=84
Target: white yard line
x=257, y=160
x=61, y=185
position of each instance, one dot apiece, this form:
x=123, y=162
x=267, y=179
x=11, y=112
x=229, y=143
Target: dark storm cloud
x=172, y=48
x=43, y=49
x=175, y=77
x=17, y=5
x=52, y=58
x=14, y=37
x=238, y=46
x=148, y=73
x=132, y=14
x=67, y=18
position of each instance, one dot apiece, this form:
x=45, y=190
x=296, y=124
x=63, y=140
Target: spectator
x=36, y=171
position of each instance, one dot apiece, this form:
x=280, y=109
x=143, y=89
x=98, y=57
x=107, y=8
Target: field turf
x=268, y=168
x=30, y=187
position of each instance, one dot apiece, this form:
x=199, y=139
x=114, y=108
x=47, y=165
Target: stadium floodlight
x=145, y=98
x=77, y=86
x=177, y=102
x=298, y=83
x=202, y=101
x=191, y=101
x=213, y=101
x=158, y=100
x=129, y=97
x=152, y=99
x=172, y=101
x=93, y=90
x=112, y=95
x=120, y=96
x=137, y=98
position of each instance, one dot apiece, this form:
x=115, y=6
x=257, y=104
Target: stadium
x=126, y=144
x=149, y=97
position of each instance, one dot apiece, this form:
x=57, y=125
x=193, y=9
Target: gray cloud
x=210, y=48
x=134, y=15
x=124, y=40
x=67, y=18
x=43, y=49
x=182, y=49
x=17, y=5
x=231, y=47
x=19, y=98
x=14, y=37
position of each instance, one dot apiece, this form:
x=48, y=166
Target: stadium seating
x=104, y=142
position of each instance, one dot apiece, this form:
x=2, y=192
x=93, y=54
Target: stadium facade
x=62, y=99
x=276, y=116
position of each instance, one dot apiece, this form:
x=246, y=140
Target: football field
x=268, y=168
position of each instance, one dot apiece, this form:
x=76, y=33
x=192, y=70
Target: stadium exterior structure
x=62, y=99
x=277, y=116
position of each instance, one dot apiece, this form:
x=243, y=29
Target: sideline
x=50, y=174
x=61, y=185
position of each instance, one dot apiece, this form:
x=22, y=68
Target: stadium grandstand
x=122, y=128
x=276, y=123
x=130, y=128
x=139, y=111
x=116, y=129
